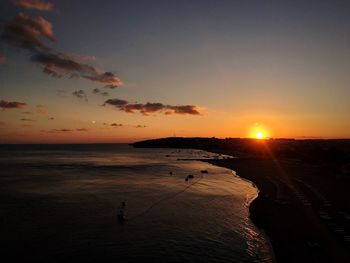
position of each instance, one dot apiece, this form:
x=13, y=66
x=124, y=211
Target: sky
x=121, y=71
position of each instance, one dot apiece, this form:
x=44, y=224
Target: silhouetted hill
x=335, y=151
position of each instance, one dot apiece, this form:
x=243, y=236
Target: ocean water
x=59, y=204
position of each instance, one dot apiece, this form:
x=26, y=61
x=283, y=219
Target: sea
x=60, y=203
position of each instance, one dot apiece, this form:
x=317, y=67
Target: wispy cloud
x=12, y=104
x=99, y=92
x=107, y=78
x=68, y=130
x=149, y=107
x=27, y=113
x=29, y=120
x=34, y=4
x=117, y=125
x=59, y=65
x=140, y=126
x=120, y=125
x=83, y=57
x=80, y=94
x=41, y=109
x=60, y=130
x=30, y=34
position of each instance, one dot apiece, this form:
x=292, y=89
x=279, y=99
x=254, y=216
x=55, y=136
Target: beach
x=303, y=204
x=299, y=223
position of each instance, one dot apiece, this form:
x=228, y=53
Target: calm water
x=59, y=203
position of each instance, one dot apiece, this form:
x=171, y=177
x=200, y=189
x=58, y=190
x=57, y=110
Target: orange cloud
x=12, y=104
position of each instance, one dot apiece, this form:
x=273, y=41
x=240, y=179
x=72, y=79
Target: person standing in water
x=121, y=214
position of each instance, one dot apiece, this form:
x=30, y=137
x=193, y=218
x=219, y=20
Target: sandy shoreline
x=292, y=225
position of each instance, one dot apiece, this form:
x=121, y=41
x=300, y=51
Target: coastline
x=303, y=203
x=262, y=231
x=293, y=234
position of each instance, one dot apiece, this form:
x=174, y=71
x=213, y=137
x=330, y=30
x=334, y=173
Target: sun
x=259, y=131
x=259, y=135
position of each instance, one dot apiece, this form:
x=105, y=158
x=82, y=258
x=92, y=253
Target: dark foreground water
x=58, y=203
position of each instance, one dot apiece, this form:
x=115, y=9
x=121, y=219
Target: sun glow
x=259, y=132
x=259, y=135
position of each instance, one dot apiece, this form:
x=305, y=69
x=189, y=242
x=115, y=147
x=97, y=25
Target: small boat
x=190, y=176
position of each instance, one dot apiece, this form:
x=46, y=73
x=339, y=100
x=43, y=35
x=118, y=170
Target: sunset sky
x=121, y=71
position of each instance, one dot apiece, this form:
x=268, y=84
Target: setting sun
x=259, y=131
x=259, y=135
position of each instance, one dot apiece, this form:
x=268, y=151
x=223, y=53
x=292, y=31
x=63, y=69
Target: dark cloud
x=34, y=4
x=60, y=130
x=80, y=94
x=51, y=118
x=30, y=34
x=184, y=109
x=98, y=91
x=2, y=123
x=12, y=104
x=41, y=109
x=107, y=78
x=26, y=119
x=150, y=107
x=60, y=65
x=116, y=102
x=68, y=130
x=117, y=125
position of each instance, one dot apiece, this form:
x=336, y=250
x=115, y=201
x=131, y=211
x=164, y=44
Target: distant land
x=304, y=201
